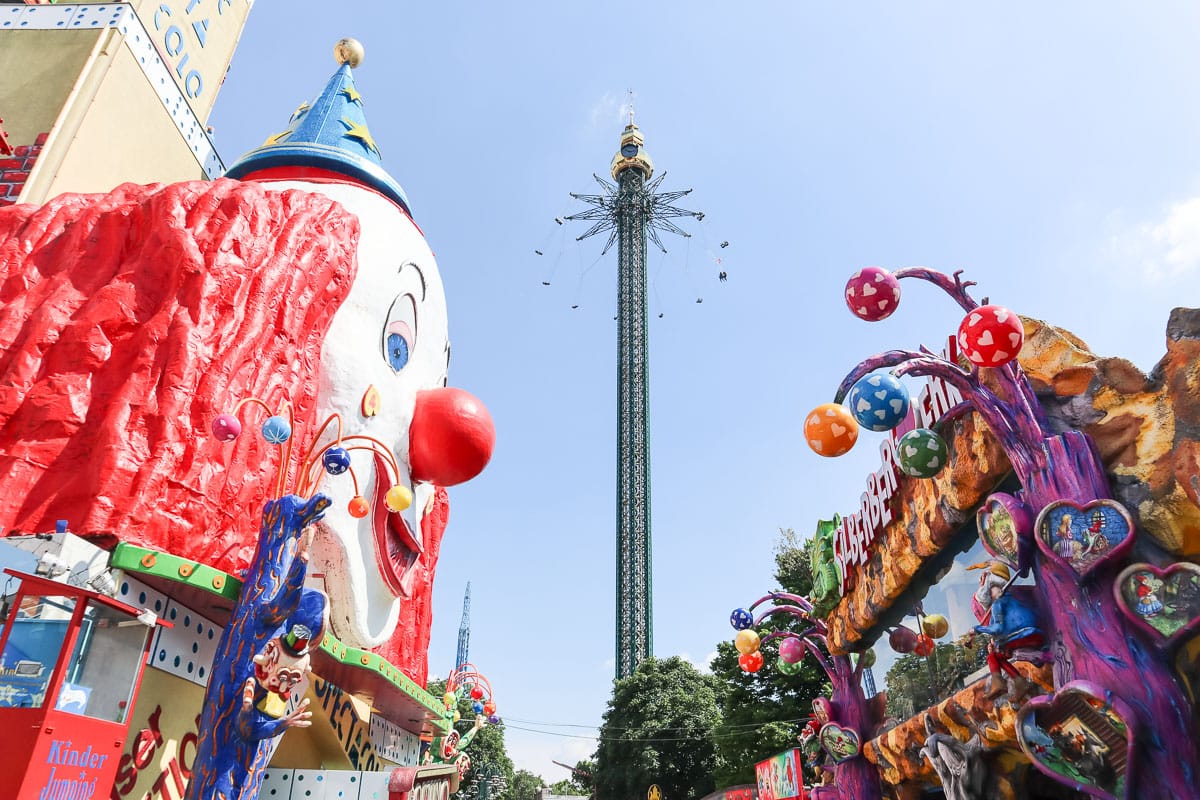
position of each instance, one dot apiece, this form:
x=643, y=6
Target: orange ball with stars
x=830, y=430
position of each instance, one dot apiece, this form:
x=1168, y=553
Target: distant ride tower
x=464, y=630
x=631, y=210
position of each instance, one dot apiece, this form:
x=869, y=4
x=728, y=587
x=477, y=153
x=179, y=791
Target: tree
x=583, y=780
x=762, y=711
x=525, y=786
x=565, y=787
x=658, y=729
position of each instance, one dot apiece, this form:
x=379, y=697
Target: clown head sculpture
x=383, y=371
x=304, y=280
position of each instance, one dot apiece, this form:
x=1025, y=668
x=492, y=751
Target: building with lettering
x=920, y=562
x=95, y=95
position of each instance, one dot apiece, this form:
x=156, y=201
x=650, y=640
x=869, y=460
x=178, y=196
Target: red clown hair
x=127, y=322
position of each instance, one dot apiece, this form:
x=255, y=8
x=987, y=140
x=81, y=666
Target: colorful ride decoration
x=826, y=574
x=845, y=718
x=1075, y=549
x=264, y=651
x=120, y=358
x=262, y=655
x=465, y=682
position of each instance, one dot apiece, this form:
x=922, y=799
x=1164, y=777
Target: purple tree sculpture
x=1101, y=657
x=851, y=712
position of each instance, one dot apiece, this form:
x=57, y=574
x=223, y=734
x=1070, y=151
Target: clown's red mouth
x=397, y=548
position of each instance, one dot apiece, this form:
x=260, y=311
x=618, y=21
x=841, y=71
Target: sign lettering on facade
x=852, y=545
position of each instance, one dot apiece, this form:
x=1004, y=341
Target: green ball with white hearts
x=922, y=453
x=787, y=668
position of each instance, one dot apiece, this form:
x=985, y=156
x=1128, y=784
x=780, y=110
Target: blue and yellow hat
x=327, y=138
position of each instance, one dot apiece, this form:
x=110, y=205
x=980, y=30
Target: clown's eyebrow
x=419, y=273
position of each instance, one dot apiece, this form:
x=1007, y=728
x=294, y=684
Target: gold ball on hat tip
x=349, y=51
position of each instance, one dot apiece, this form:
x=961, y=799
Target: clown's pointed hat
x=325, y=139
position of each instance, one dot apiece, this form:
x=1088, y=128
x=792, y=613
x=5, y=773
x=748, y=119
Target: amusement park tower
x=464, y=631
x=630, y=211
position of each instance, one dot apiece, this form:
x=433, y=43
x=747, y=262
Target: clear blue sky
x=1051, y=150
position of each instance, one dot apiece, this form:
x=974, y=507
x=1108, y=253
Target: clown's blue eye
x=400, y=332
x=397, y=351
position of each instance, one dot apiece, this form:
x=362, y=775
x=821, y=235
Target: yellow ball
x=449, y=699
x=349, y=51
x=398, y=498
x=457, y=716
x=746, y=641
x=936, y=626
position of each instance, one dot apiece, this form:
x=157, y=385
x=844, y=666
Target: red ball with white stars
x=873, y=293
x=991, y=336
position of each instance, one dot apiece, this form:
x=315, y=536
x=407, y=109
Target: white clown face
x=390, y=333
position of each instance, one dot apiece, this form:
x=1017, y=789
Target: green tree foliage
x=582, y=779
x=525, y=786
x=658, y=729
x=763, y=712
x=565, y=787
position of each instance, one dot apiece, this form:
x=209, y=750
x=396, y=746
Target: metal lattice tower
x=630, y=211
x=464, y=630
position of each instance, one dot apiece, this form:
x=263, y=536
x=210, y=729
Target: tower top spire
x=632, y=152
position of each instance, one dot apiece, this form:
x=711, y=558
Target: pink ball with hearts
x=791, y=650
x=873, y=293
x=991, y=336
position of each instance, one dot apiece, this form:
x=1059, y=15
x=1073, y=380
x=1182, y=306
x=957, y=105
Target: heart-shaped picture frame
x=1084, y=536
x=1163, y=602
x=840, y=743
x=1079, y=739
x=1003, y=522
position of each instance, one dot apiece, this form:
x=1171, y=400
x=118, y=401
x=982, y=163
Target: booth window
x=32, y=650
x=103, y=669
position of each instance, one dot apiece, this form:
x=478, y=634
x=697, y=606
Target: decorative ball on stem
x=276, y=430
x=830, y=430
x=879, y=401
x=923, y=453
x=336, y=460
x=358, y=507
x=903, y=639
x=746, y=641
x=873, y=293
x=751, y=662
x=741, y=619
x=398, y=498
x=226, y=427
x=791, y=650
x=991, y=336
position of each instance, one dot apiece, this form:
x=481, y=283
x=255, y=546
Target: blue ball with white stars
x=741, y=619
x=477, y=707
x=878, y=401
x=336, y=460
x=276, y=430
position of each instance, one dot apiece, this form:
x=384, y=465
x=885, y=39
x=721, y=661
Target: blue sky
x=1047, y=149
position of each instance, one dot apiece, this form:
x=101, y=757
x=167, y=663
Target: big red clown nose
x=451, y=437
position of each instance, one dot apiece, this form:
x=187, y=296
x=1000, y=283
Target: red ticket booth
x=71, y=661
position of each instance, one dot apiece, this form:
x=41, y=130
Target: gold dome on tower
x=632, y=153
